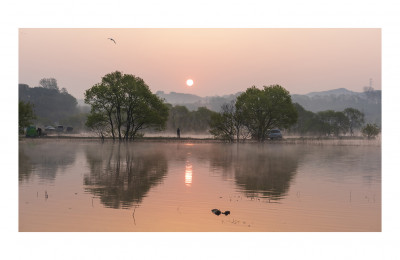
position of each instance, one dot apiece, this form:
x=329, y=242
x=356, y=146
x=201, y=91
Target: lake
x=87, y=185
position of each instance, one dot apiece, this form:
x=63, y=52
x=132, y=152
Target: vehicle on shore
x=275, y=134
x=49, y=129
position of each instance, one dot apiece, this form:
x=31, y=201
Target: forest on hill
x=53, y=106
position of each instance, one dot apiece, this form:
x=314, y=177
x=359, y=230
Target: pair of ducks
x=218, y=212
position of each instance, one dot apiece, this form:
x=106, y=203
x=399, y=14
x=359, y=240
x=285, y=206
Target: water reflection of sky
x=245, y=179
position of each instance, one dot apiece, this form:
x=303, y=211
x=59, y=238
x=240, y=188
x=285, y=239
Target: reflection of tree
x=122, y=176
x=264, y=171
x=25, y=165
x=44, y=159
x=222, y=157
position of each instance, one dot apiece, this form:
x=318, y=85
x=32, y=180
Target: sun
x=189, y=82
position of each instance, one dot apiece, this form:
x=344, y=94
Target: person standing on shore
x=39, y=131
x=178, y=132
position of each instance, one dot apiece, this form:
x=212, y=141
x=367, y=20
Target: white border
x=199, y=14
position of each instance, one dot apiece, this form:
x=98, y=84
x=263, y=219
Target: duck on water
x=218, y=212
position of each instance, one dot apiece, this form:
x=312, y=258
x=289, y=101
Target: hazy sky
x=220, y=61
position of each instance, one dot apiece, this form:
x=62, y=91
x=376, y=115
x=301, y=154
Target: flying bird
x=112, y=40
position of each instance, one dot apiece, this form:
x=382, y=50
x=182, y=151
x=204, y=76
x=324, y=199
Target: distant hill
x=50, y=104
x=335, y=92
x=179, y=98
x=368, y=102
x=192, y=102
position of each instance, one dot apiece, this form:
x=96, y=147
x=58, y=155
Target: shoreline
x=342, y=141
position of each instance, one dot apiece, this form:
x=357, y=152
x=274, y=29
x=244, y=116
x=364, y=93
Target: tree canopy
x=223, y=124
x=49, y=83
x=264, y=109
x=371, y=130
x=26, y=115
x=189, y=121
x=355, y=117
x=127, y=103
x=228, y=124
x=307, y=122
x=333, y=122
x=327, y=122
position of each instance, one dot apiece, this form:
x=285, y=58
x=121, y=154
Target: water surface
x=70, y=185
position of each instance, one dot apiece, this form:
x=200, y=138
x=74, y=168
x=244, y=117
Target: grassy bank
x=346, y=140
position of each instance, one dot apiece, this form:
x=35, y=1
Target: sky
x=219, y=61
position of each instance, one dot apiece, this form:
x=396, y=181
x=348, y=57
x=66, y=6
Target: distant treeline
x=327, y=123
x=256, y=112
x=368, y=101
x=52, y=105
x=189, y=121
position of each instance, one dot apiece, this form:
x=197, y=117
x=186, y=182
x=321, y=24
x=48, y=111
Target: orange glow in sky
x=222, y=61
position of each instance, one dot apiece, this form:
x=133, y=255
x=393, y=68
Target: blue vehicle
x=275, y=134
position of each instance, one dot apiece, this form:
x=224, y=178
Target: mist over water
x=76, y=185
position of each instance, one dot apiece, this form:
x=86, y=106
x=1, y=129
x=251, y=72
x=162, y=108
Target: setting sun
x=189, y=82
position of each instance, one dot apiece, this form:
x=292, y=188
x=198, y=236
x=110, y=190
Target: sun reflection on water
x=188, y=174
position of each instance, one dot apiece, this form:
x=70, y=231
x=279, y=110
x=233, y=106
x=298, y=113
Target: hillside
x=335, y=92
x=192, y=102
x=337, y=99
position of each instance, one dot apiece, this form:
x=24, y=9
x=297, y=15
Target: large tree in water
x=127, y=104
x=264, y=109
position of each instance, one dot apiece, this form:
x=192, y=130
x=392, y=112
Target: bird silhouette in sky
x=112, y=40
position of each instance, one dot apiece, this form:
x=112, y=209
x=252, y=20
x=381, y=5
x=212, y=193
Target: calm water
x=150, y=186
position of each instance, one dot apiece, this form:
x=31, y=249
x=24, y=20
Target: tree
x=189, y=121
x=228, y=124
x=355, y=117
x=128, y=105
x=98, y=123
x=199, y=120
x=307, y=122
x=262, y=110
x=49, y=83
x=332, y=122
x=101, y=103
x=177, y=117
x=222, y=125
x=371, y=131
x=25, y=115
x=142, y=108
